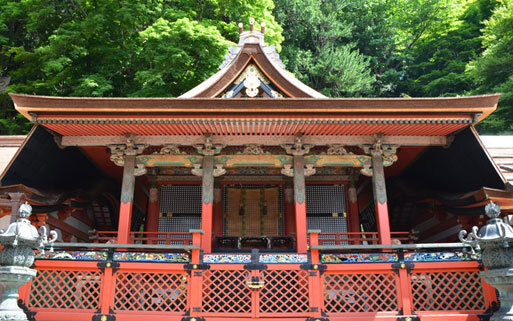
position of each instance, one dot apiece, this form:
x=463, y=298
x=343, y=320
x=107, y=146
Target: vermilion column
x=152, y=219
x=127, y=200
x=299, y=203
x=380, y=197
x=288, y=216
x=217, y=224
x=207, y=199
x=354, y=213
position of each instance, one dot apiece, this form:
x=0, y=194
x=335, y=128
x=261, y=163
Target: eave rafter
x=189, y=140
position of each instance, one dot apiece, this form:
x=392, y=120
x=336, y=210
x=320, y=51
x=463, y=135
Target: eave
x=36, y=106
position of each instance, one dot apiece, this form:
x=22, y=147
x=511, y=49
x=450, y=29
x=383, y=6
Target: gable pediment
x=252, y=69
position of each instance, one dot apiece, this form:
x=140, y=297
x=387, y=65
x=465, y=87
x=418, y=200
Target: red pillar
x=380, y=198
x=207, y=195
x=288, y=213
x=299, y=203
x=152, y=217
x=127, y=200
x=218, y=224
x=354, y=212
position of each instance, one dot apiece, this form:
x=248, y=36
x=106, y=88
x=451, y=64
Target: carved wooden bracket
x=288, y=170
x=209, y=148
x=386, y=151
x=298, y=148
x=119, y=151
x=218, y=171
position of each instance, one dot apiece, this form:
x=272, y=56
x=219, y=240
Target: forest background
x=342, y=48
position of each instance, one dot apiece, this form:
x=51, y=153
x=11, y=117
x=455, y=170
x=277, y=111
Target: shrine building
x=253, y=196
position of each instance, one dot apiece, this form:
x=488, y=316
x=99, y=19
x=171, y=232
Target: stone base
x=502, y=280
x=11, y=278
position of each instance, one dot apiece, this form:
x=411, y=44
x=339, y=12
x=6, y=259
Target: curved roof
x=252, y=49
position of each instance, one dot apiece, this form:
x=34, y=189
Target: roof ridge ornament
x=252, y=36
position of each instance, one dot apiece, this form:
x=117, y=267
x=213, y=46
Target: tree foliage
x=493, y=70
x=146, y=48
x=117, y=47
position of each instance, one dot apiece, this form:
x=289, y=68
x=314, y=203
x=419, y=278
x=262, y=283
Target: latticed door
x=255, y=293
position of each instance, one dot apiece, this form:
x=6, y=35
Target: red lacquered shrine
x=252, y=196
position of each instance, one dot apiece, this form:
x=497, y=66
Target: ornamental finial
x=492, y=210
x=25, y=210
x=251, y=24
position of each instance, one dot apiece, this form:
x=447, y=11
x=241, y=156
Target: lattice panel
x=284, y=291
x=371, y=292
x=179, y=223
x=183, y=199
x=325, y=199
x=226, y=292
x=53, y=289
x=441, y=291
x=139, y=291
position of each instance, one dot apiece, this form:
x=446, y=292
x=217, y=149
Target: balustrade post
x=314, y=278
x=196, y=275
x=404, y=290
x=107, y=287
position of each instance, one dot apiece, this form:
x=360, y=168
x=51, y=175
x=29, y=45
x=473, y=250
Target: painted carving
x=119, y=151
x=309, y=170
x=209, y=148
x=386, y=154
x=140, y=170
x=337, y=149
x=251, y=83
x=298, y=148
x=197, y=171
x=287, y=170
x=219, y=170
x=253, y=149
x=170, y=149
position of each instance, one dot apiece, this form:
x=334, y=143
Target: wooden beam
x=188, y=140
x=56, y=223
x=266, y=160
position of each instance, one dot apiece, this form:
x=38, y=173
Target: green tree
x=319, y=48
x=439, y=59
x=493, y=70
x=117, y=47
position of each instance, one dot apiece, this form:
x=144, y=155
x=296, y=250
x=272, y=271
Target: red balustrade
x=88, y=290
x=371, y=238
x=178, y=238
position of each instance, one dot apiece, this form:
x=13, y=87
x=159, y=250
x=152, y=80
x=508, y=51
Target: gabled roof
x=501, y=150
x=252, y=51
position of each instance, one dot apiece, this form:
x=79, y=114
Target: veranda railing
x=329, y=282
